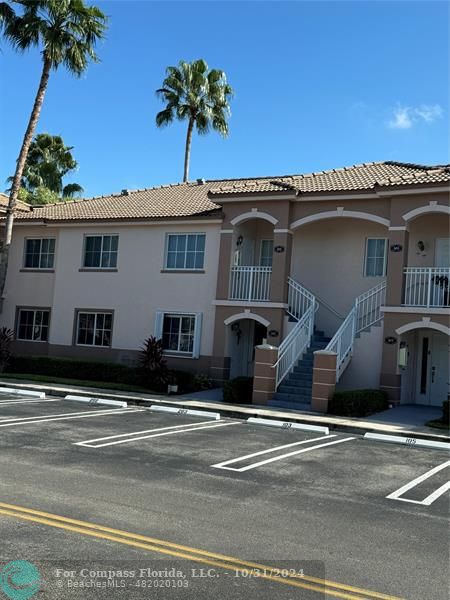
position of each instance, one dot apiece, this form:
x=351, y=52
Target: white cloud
x=404, y=117
x=429, y=113
x=401, y=118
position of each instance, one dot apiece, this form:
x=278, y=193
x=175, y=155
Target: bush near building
x=238, y=390
x=358, y=403
x=104, y=372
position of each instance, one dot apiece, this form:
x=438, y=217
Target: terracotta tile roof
x=4, y=199
x=164, y=202
x=195, y=199
x=367, y=176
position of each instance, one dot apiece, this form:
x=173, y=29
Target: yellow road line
x=187, y=552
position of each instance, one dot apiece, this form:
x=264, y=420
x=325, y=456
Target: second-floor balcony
x=427, y=287
x=250, y=284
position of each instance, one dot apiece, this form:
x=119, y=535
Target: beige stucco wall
x=27, y=288
x=426, y=229
x=328, y=258
x=135, y=292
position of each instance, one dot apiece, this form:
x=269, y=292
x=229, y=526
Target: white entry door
x=433, y=377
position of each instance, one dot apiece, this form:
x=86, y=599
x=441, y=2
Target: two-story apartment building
x=343, y=274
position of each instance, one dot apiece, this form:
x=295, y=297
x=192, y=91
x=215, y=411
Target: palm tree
x=197, y=95
x=67, y=31
x=49, y=160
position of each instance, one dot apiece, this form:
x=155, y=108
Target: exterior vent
x=125, y=192
x=200, y=181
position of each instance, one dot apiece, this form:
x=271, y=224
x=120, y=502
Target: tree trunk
x=187, y=153
x=29, y=133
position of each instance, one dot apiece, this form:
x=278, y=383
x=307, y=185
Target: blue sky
x=317, y=85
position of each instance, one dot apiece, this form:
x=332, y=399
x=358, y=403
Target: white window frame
x=261, y=252
x=384, y=258
x=39, y=268
x=33, y=310
x=158, y=331
x=166, y=253
x=100, y=235
x=437, y=242
x=96, y=313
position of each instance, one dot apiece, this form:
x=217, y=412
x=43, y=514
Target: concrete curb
x=186, y=411
x=18, y=391
x=288, y=425
x=348, y=425
x=408, y=441
x=92, y=400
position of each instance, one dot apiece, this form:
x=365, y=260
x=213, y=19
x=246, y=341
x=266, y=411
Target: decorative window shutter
x=159, y=318
x=197, y=335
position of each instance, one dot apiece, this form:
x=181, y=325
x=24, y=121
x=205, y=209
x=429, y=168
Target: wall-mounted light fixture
x=239, y=240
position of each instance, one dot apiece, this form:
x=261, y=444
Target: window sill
x=37, y=270
x=32, y=341
x=92, y=346
x=183, y=271
x=177, y=355
x=97, y=270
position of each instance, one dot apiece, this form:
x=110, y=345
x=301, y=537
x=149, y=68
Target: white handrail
x=365, y=312
x=299, y=299
x=295, y=344
x=427, y=286
x=250, y=283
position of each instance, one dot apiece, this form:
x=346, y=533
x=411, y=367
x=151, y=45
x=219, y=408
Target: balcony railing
x=250, y=283
x=427, y=287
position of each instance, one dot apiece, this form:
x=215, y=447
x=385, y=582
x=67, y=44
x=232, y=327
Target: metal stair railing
x=302, y=306
x=365, y=312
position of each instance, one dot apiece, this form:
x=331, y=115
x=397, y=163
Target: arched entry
x=426, y=375
x=245, y=331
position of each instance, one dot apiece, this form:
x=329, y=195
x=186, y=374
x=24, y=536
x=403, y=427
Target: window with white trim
x=100, y=251
x=266, y=253
x=33, y=324
x=39, y=253
x=180, y=332
x=376, y=257
x=185, y=251
x=94, y=328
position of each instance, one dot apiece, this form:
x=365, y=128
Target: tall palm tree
x=195, y=94
x=66, y=31
x=49, y=160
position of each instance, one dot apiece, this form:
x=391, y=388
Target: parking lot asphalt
x=310, y=506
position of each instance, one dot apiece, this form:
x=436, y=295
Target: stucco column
x=281, y=266
x=397, y=260
x=324, y=379
x=390, y=377
x=223, y=271
x=264, y=382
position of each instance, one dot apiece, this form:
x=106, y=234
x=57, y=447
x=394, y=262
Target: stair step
x=299, y=376
x=291, y=405
x=295, y=389
x=299, y=399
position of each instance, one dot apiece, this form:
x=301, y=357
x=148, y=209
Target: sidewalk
x=244, y=411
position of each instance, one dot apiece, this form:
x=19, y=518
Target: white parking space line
x=134, y=437
x=397, y=495
x=224, y=465
x=10, y=402
x=65, y=416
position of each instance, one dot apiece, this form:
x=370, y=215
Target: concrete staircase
x=295, y=391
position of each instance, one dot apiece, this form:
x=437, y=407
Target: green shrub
x=358, y=403
x=85, y=370
x=445, y=412
x=6, y=338
x=82, y=370
x=238, y=390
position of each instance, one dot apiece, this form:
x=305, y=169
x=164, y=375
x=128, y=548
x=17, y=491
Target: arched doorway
x=244, y=332
x=426, y=367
